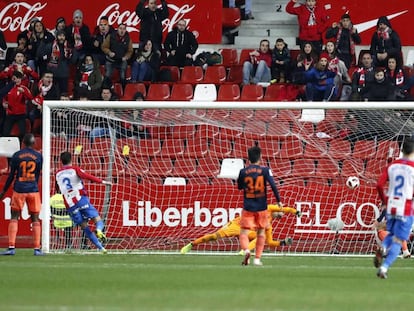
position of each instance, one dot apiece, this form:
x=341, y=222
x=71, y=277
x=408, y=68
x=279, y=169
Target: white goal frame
x=45, y=213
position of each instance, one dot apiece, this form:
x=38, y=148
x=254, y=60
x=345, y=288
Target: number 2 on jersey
x=27, y=169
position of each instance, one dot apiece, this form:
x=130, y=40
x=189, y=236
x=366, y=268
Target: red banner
x=204, y=18
x=158, y=212
x=365, y=14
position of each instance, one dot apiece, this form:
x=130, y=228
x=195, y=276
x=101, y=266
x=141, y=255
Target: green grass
x=159, y=282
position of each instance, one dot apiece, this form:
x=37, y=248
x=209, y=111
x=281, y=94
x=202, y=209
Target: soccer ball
x=352, y=182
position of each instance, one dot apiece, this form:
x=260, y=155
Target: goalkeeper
x=232, y=229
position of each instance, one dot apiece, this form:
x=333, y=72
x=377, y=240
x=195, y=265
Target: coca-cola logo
x=16, y=16
x=131, y=20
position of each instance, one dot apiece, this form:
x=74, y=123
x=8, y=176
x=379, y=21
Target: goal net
x=173, y=167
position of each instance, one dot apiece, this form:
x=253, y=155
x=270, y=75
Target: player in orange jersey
x=232, y=229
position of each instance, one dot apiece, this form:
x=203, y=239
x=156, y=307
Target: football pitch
x=67, y=282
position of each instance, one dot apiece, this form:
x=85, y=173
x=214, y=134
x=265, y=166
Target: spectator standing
x=15, y=105
x=281, y=62
x=100, y=33
x=46, y=89
x=25, y=169
x=79, y=37
x=345, y=36
x=88, y=77
x=385, y=42
x=59, y=56
x=39, y=37
x=60, y=26
x=257, y=67
x=146, y=64
x=118, y=50
x=3, y=50
x=247, y=8
x=312, y=19
x=181, y=45
x=151, y=21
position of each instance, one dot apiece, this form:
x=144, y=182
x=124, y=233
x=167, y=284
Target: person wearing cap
x=345, y=36
x=385, y=42
x=60, y=25
x=151, y=21
x=102, y=30
x=79, y=37
x=320, y=84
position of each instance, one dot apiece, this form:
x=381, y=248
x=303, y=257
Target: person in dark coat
x=151, y=21
x=181, y=45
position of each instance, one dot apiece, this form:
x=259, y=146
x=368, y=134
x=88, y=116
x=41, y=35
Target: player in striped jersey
x=69, y=179
x=398, y=199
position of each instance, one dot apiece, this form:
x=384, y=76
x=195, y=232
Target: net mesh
x=164, y=165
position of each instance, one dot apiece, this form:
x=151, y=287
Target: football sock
x=36, y=234
x=244, y=241
x=259, y=246
x=404, y=246
x=392, y=255
x=386, y=244
x=92, y=237
x=13, y=226
x=99, y=225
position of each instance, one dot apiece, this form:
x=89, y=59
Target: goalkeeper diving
x=232, y=229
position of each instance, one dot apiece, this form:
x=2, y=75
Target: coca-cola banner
x=204, y=18
x=142, y=211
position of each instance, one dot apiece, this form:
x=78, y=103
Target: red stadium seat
x=245, y=55
x=235, y=75
x=197, y=147
x=215, y=75
x=207, y=167
x=207, y=131
x=137, y=165
x=192, y=75
x=316, y=150
x=281, y=168
x=175, y=72
x=327, y=168
x=388, y=149
x=101, y=146
x=292, y=148
x=231, y=17
x=278, y=130
x=339, y=149
x=275, y=92
x=230, y=57
x=303, y=129
x=158, y=92
x=289, y=114
x=184, y=167
x=252, y=92
x=374, y=168
x=132, y=88
x=241, y=145
x=220, y=148
x=255, y=129
x=364, y=149
x=4, y=165
x=149, y=147
x=172, y=148
x=58, y=145
x=228, y=92
x=304, y=168
x=160, y=167
x=183, y=131
x=182, y=92
x=270, y=148
x=265, y=115
x=352, y=167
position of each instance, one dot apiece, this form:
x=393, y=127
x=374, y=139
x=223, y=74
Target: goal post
x=165, y=158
